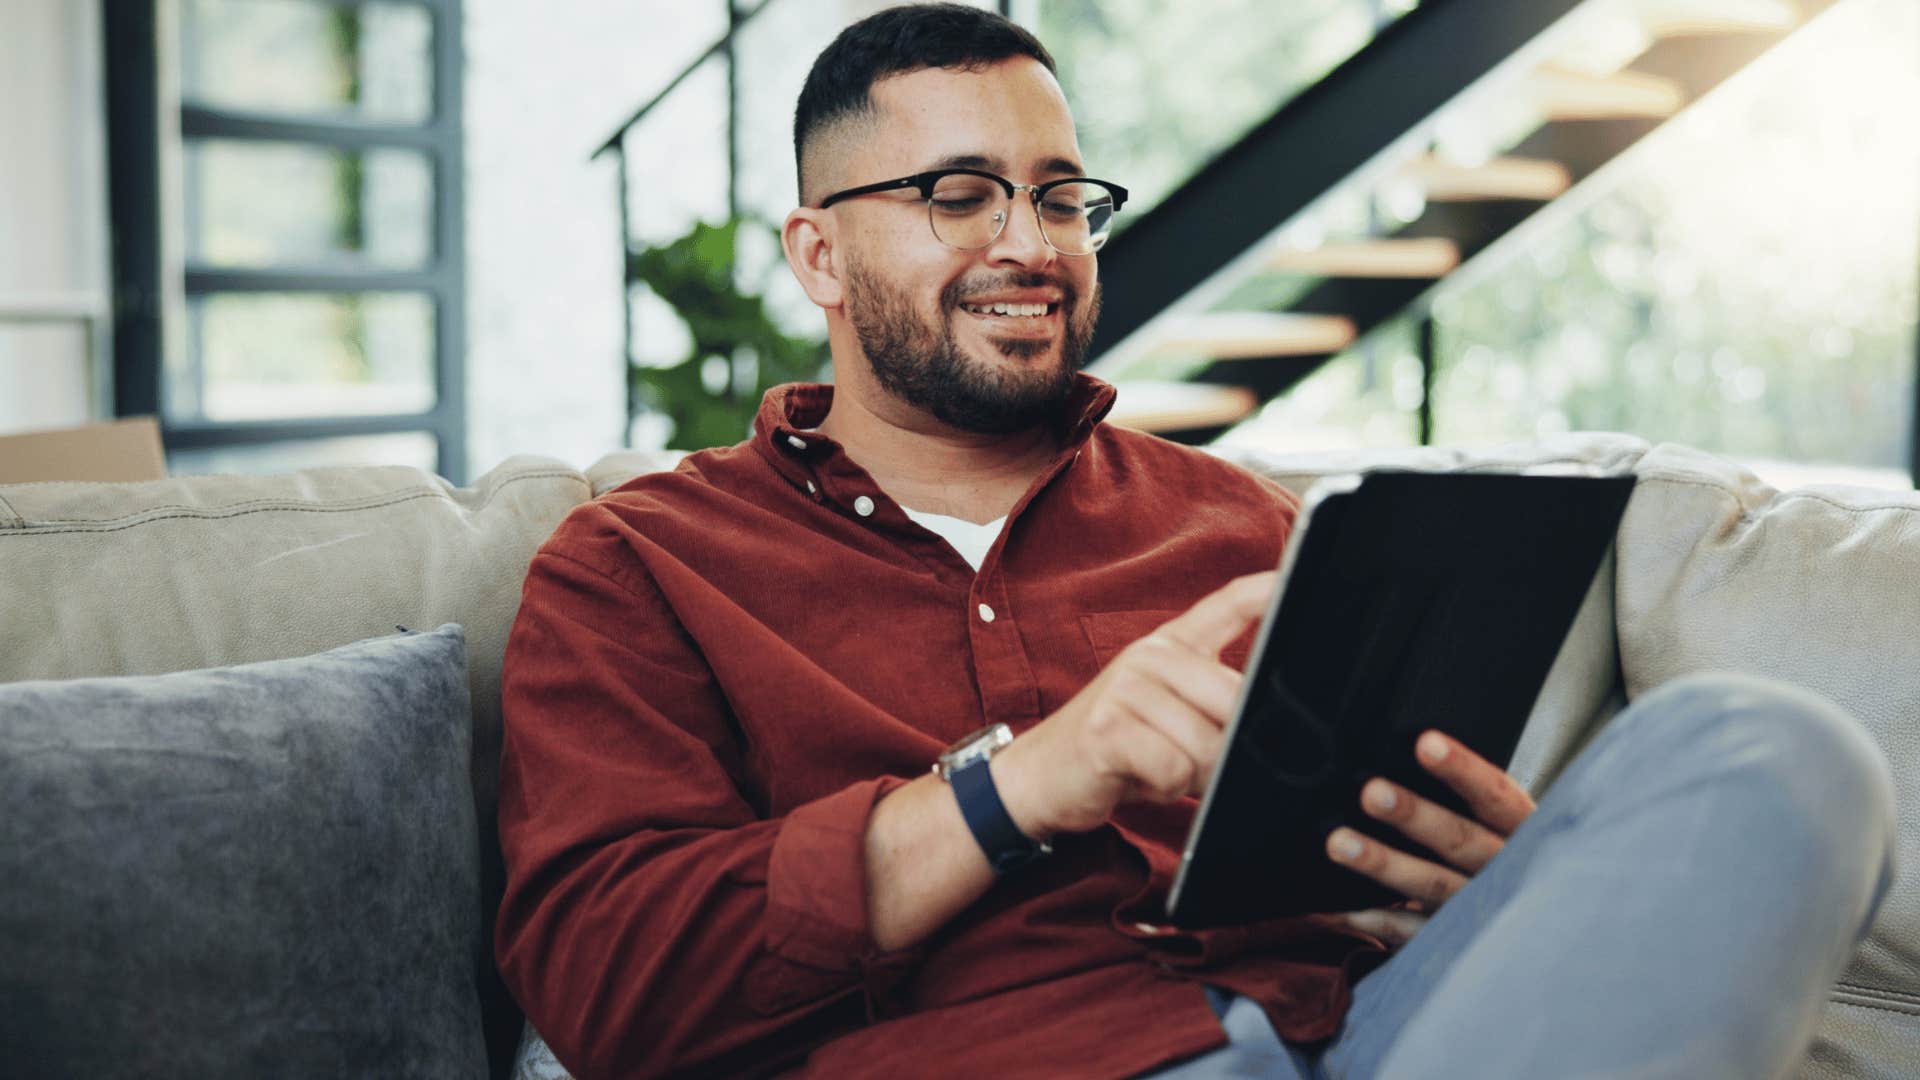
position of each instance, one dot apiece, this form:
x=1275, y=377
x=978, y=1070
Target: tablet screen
x=1411, y=601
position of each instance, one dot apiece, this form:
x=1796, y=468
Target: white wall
x=53, y=252
x=545, y=83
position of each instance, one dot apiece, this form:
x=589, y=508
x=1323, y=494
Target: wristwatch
x=964, y=767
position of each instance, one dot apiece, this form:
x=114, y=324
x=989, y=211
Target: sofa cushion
x=191, y=572
x=264, y=870
x=138, y=579
x=1816, y=586
x=1296, y=471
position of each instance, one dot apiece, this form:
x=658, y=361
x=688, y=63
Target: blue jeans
x=1678, y=906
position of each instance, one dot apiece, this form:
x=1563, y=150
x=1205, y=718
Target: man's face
x=922, y=311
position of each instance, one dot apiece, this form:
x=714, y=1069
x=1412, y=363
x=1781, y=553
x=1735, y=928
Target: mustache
x=967, y=288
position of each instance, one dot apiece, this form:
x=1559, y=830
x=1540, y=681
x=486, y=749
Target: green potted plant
x=731, y=331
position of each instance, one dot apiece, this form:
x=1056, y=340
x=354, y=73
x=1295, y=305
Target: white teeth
x=1003, y=308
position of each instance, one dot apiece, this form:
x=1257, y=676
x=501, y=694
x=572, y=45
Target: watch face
x=978, y=746
x=977, y=750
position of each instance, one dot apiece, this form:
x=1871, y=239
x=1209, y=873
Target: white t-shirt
x=967, y=538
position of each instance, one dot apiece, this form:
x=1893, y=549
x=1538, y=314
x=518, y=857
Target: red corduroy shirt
x=716, y=672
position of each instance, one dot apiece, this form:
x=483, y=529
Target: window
x=1744, y=282
x=287, y=209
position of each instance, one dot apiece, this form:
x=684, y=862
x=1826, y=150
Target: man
x=727, y=853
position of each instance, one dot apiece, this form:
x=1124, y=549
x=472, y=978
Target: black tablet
x=1408, y=601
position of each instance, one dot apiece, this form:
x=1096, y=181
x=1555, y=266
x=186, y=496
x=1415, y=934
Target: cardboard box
x=116, y=452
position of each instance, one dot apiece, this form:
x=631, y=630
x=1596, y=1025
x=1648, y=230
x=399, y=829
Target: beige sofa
x=1712, y=570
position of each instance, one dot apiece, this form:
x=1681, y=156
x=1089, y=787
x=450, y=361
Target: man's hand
x=1499, y=805
x=1150, y=726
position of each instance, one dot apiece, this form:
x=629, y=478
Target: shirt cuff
x=817, y=914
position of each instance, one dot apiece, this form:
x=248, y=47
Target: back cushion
x=205, y=571
x=1819, y=586
x=194, y=572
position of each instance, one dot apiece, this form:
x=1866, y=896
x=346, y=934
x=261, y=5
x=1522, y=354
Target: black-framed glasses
x=968, y=209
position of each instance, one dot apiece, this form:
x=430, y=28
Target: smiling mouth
x=1011, y=311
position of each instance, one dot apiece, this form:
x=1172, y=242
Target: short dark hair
x=894, y=42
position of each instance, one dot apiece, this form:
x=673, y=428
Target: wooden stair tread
x=1148, y=405
x=1502, y=178
x=1241, y=335
x=1694, y=18
x=1565, y=94
x=1407, y=257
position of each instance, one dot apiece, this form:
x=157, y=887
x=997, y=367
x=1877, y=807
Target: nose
x=1020, y=242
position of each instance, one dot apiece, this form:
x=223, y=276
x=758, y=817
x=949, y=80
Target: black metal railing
x=1320, y=138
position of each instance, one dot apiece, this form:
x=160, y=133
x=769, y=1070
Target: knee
x=1799, y=743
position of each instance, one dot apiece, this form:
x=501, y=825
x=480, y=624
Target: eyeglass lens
x=969, y=212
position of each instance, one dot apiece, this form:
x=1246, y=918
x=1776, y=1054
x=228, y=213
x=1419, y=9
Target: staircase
x=1458, y=123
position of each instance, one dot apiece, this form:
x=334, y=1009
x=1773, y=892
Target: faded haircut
x=837, y=96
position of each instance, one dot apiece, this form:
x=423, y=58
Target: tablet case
x=1413, y=601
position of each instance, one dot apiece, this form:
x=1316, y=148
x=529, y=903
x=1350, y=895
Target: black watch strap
x=1007, y=848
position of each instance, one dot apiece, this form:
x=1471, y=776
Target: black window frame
x=139, y=217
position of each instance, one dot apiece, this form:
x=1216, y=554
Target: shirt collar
x=782, y=430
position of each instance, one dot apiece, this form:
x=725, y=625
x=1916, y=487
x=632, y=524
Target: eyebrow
x=1059, y=165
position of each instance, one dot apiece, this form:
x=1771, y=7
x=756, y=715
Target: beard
x=920, y=361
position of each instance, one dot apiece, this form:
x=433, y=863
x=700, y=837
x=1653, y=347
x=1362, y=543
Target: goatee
x=922, y=364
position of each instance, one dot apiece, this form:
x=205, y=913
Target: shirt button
x=986, y=613
x=796, y=442
x=811, y=490
x=863, y=506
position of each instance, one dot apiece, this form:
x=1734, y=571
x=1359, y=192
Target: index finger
x=1223, y=614
x=1495, y=798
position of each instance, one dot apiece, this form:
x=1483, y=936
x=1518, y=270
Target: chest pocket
x=1108, y=632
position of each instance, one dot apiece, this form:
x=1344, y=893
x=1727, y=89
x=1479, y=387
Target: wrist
x=1021, y=791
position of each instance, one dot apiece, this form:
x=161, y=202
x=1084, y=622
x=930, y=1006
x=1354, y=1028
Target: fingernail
x=1346, y=846
x=1382, y=797
x=1433, y=748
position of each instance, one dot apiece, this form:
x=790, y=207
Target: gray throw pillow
x=263, y=870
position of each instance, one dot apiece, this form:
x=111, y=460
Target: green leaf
x=695, y=274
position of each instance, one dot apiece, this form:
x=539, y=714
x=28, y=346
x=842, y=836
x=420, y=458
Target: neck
x=929, y=466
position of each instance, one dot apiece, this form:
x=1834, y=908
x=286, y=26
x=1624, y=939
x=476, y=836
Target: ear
x=808, y=238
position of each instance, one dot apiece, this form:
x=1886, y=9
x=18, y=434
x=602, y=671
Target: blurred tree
x=1744, y=280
